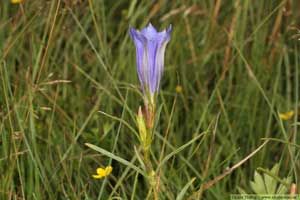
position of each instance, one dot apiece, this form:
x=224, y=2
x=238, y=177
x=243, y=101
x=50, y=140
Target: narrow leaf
x=117, y=158
x=184, y=189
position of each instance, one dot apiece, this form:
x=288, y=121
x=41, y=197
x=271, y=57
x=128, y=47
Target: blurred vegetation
x=62, y=61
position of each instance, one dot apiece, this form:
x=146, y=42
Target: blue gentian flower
x=150, y=49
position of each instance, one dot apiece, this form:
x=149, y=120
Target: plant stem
x=147, y=159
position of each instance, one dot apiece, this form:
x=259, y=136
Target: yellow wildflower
x=178, y=89
x=287, y=115
x=103, y=172
x=16, y=1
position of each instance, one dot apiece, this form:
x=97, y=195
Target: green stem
x=147, y=159
x=146, y=143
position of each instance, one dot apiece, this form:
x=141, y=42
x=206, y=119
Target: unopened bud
x=141, y=126
x=293, y=189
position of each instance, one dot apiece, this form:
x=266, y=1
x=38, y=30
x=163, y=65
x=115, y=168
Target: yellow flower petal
x=16, y=1
x=287, y=115
x=103, y=172
x=108, y=170
x=97, y=176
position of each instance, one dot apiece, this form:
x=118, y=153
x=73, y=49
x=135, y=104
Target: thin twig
x=229, y=171
x=212, y=142
x=212, y=182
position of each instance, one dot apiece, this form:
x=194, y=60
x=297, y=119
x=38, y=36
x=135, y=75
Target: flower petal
x=287, y=115
x=149, y=32
x=97, y=176
x=140, y=42
x=101, y=171
x=108, y=170
x=156, y=57
x=150, y=49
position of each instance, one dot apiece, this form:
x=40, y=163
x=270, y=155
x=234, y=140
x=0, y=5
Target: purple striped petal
x=150, y=49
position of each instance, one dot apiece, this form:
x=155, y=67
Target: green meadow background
x=235, y=65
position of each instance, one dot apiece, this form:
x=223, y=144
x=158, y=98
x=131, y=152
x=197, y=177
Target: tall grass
x=63, y=61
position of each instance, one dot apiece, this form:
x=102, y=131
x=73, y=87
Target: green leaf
x=282, y=189
x=117, y=158
x=258, y=185
x=270, y=182
x=107, y=127
x=178, y=150
x=184, y=189
x=241, y=190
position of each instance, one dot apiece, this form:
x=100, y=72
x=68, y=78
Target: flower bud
x=141, y=126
